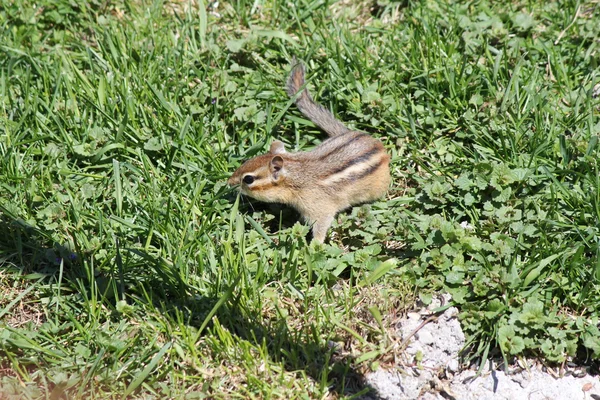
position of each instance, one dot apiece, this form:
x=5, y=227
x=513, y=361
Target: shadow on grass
x=29, y=250
x=296, y=352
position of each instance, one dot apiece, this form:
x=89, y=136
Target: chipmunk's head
x=262, y=177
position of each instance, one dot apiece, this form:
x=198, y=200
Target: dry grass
x=19, y=305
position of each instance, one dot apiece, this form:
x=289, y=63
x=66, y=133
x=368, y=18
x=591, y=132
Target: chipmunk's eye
x=248, y=179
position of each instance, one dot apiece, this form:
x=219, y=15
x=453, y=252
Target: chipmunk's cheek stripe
x=260, y=188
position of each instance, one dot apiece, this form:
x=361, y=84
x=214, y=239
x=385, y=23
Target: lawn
x=128, y=268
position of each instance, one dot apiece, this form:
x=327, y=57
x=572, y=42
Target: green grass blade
x=141, y=377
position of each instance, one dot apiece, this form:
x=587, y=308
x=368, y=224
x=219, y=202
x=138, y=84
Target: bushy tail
x=323, y=118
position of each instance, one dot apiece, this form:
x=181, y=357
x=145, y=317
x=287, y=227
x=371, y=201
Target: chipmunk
x=348, y=168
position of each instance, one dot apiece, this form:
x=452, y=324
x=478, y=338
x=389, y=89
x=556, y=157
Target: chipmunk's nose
x=233, y=181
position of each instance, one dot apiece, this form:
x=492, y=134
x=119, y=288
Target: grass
x=129, y=269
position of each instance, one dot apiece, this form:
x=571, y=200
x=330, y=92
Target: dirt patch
x=19, y=305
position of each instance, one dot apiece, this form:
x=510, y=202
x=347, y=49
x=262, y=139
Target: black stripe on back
x=360, y=175
x=362, y=158
x=342, y=145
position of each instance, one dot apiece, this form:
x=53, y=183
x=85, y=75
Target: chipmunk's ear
x=277, y=147
x=276, y=168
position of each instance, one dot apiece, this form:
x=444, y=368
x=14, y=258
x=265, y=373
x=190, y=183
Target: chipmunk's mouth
x=236, y=185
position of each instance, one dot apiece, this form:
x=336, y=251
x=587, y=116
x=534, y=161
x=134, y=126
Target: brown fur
x=348, y=168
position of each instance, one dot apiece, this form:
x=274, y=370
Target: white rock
x=439, y=342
